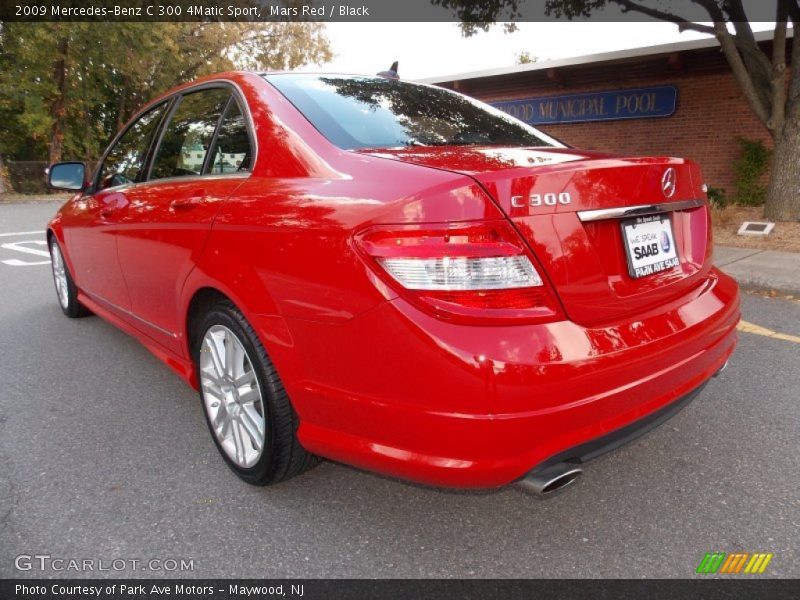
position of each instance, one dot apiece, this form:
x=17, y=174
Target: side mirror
x=69, y=176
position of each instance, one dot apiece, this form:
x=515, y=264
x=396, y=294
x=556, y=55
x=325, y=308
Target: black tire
x=69, y=302
x=282, y=456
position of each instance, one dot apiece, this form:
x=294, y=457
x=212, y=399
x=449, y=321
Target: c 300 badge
x=534, y=200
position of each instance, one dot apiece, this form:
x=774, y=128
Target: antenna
x=391, y=73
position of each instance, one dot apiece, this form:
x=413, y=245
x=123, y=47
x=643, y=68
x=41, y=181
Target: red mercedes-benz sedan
x=397, y=277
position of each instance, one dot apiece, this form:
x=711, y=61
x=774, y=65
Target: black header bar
x=317, y=10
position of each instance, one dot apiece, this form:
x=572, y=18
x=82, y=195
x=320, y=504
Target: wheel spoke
x=238, y=440
x=211, y=377
x=249, y=397
x=212, y=387
x=221, y=424
x=213, y=347
x=234, y=356
x=229, y=351
x=252, y=429
x=247, y=378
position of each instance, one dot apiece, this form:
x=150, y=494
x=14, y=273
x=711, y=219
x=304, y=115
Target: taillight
x=474, y=270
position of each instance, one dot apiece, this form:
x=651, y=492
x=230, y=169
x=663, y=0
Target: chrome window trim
x=177, y=98
x=167, y=102
x=639, y=210
x=243, y=104
x=206, y=176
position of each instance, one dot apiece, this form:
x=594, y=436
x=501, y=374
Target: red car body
x=383, y=378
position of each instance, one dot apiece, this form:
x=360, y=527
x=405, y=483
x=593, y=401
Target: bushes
x=750, y=169
x=717, y=197
x=750, y=188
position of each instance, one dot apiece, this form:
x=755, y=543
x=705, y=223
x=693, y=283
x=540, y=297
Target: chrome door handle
x=182, y=203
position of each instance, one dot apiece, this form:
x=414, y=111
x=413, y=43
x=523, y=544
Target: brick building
x=674, y=99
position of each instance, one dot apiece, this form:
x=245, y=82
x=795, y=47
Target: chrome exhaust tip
x=550, y=480
x=721, y=369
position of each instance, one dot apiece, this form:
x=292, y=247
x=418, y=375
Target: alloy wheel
x=60, y=275
x=232, y=396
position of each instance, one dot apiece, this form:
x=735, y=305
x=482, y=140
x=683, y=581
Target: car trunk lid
x=570, y=206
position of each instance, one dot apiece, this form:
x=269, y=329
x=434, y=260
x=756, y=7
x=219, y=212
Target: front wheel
x=66, y=290
x=247, y=410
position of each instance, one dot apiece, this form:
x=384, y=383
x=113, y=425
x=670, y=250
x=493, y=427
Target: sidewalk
x=761, y=269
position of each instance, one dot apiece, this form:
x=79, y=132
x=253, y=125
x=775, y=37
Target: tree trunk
x=121, y=102
x=5, y=185
x=57, y=106
x=783, y=192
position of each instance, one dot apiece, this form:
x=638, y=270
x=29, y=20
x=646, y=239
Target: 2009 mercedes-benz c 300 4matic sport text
x=397, y=277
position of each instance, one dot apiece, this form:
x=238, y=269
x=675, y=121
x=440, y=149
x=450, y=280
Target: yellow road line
x=747, y=327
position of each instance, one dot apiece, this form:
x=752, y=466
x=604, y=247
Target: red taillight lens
x=475, y=270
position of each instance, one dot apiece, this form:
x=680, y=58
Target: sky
x=434, y=49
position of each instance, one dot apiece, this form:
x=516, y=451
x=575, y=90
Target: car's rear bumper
x=402, y=393
x=596, y=447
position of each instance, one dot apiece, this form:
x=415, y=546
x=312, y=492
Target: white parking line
x=20, y=233
x=23, y=246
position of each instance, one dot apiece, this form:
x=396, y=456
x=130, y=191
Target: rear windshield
x=371, y=112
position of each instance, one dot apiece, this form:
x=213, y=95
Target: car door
x=203, y=155
x=91, y=223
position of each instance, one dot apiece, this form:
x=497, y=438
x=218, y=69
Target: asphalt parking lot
x=104, y=454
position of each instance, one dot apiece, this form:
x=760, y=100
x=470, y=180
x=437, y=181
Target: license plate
x=649, y=245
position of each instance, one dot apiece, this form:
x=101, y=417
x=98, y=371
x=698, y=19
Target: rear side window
x=231, y=151
x=188, y=135
x=369, y=112
x=124, y=163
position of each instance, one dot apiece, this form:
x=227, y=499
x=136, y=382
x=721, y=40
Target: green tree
x=40, y=86
x=66, y=88
x=773, y=96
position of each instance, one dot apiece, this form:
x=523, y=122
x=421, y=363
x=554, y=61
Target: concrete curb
x=761, y=269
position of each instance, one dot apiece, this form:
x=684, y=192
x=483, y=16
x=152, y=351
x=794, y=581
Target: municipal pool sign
x=613, y=105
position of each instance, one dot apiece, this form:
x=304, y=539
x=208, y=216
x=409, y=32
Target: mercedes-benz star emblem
x=668, y=182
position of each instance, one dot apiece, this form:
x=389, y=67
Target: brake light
x=463, y=273
x=473, y=270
